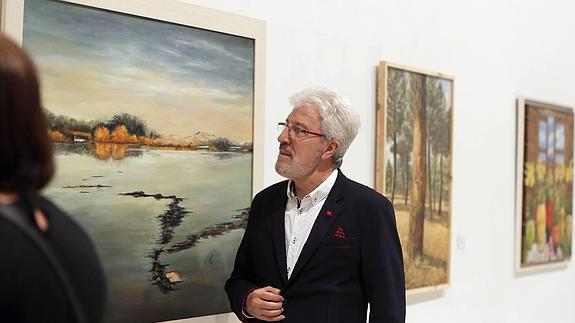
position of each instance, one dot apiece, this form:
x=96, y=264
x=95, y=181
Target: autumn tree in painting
x=133, y=125
x=121, y=134
x=101, y=134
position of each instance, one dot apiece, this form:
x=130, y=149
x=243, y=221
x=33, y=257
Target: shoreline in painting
x=126, y=129
x=108, y=150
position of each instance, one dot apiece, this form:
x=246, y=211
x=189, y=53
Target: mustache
x=286, y=148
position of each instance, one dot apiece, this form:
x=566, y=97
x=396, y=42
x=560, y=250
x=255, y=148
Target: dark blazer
x=334, y=278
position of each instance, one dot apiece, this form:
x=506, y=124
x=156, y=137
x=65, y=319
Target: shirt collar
x=319, y=193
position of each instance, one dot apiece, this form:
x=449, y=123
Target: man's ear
x=331, y=149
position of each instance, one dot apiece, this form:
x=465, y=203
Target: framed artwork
x=544, y=206
x=155, y=109
x=413, y=167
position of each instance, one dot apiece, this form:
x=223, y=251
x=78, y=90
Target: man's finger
x=272, y=290
x=272, y=313
x=271, y=297
x=267, y=305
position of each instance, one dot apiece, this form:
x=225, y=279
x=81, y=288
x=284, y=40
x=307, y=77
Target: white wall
x=497, y=50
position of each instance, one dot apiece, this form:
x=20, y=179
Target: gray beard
x=294, y=170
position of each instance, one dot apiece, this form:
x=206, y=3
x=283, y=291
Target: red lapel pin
x=328, y=213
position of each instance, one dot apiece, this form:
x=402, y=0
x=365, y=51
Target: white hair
x=338, y=120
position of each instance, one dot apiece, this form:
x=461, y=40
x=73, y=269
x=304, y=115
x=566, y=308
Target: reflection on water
x=105, y=151
x=100, y=150
x=224, y=155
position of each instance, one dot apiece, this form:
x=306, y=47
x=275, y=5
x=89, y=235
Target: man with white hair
x=318, y=247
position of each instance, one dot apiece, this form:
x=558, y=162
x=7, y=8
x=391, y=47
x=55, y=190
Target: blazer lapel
x=278, y=230
x=322, y=224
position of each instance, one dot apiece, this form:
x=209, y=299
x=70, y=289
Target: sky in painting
x=178, y=79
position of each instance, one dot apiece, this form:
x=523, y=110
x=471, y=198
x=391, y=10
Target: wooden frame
x=11, y=23
x=544, y=186
x=416, y=266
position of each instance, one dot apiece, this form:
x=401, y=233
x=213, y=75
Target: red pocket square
x=339, y=233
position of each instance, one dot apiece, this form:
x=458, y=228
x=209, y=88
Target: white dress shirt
x=300, y=216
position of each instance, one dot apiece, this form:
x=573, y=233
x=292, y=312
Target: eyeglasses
x=296, y=130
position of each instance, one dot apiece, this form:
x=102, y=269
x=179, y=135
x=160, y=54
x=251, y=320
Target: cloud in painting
x=180, y=79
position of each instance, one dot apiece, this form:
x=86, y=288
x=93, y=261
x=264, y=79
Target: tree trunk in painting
x=440, y=182
x=418, y=176
x=394, y=176
x=435, y=185
x=406, y=181
x=429, y=180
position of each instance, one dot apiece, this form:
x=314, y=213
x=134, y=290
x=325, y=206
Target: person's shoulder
x=272, y=190
x=364, y=193
x=54, y=212
x=62, y=221
x=43, y=203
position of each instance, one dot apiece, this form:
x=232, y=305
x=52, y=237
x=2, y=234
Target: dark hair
x=26, y=159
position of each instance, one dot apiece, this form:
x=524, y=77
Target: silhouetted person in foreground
x=49, y=269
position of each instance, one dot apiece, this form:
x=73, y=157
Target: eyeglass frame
x=297, y=133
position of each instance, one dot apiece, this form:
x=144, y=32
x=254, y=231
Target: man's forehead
x=304, y=114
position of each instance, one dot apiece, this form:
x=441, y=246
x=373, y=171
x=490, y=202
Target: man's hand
x=265, y=304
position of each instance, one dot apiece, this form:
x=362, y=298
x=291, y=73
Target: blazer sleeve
x=382, y=263
x=241, y=281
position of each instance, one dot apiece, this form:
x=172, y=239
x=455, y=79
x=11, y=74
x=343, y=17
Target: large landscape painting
x=152, y=126
x=414, y=167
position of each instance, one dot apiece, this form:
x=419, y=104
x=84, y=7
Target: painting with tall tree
x=544, y=185
x=413, y=167
x=153, y=109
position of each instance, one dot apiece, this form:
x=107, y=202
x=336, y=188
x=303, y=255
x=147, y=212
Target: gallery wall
x=496, y=50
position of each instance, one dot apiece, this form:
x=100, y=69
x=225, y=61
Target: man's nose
x=284, y=135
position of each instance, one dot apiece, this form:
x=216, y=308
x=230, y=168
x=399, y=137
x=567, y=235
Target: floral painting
x=546, y=215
